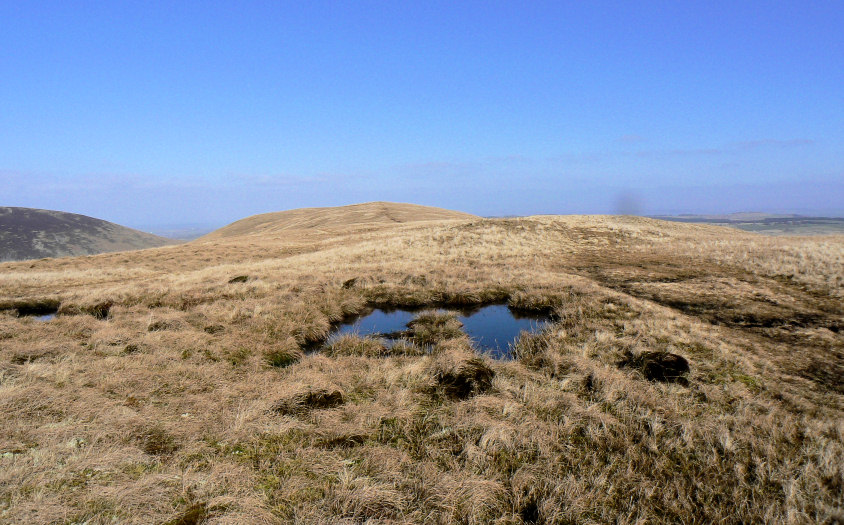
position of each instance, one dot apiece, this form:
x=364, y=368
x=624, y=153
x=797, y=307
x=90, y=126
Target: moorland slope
x=29, y=233
x=187, y=384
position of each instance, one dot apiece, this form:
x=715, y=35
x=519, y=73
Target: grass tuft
x=282, y=355
x=459, y=373
x=196, y=514
x=156, y=440
x=354, y=345
x=658, y=366
x=431, y=327
x=312, y=399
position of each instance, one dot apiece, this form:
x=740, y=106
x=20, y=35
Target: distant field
x=808, y=226
x=773, y=225
x=187, y=384
x=183, y=233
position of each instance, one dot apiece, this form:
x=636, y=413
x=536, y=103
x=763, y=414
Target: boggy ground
x=164, y=393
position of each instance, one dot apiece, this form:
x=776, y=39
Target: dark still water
x=493, y=328
x=378, y=322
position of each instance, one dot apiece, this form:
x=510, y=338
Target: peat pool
x=492, y=328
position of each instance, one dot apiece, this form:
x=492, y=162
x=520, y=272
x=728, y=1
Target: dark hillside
x=27, y=233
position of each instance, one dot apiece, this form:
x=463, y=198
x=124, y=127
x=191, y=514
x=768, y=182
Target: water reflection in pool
x=378, y=322
x=495, y=328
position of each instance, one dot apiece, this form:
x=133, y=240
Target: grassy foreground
x=174, y=385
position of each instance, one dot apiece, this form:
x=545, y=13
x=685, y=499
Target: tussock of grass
x=214, y=329
x=349, y=345
x=196, y=514
x=535, y=302
x=283, y=354
x=99, y=309
x=534, y=350
x=168, y=323
x=304, y=401
x=432, y=327
x=658, y=366
x=404, y=347
x=156, y=440
x=28, y=355
x=354, y=345
x=458, y=372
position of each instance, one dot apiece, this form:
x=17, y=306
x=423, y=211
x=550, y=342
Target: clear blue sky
x=151, y=113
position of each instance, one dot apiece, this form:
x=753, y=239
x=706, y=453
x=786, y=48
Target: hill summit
x=335, y=217
x=29, y=233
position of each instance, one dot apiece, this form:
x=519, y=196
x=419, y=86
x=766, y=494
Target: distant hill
x=335, y=217
x=28, y=233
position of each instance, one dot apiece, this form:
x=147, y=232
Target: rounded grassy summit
x=335, y=218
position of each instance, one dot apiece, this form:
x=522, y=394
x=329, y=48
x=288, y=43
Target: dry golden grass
x=197, y=399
